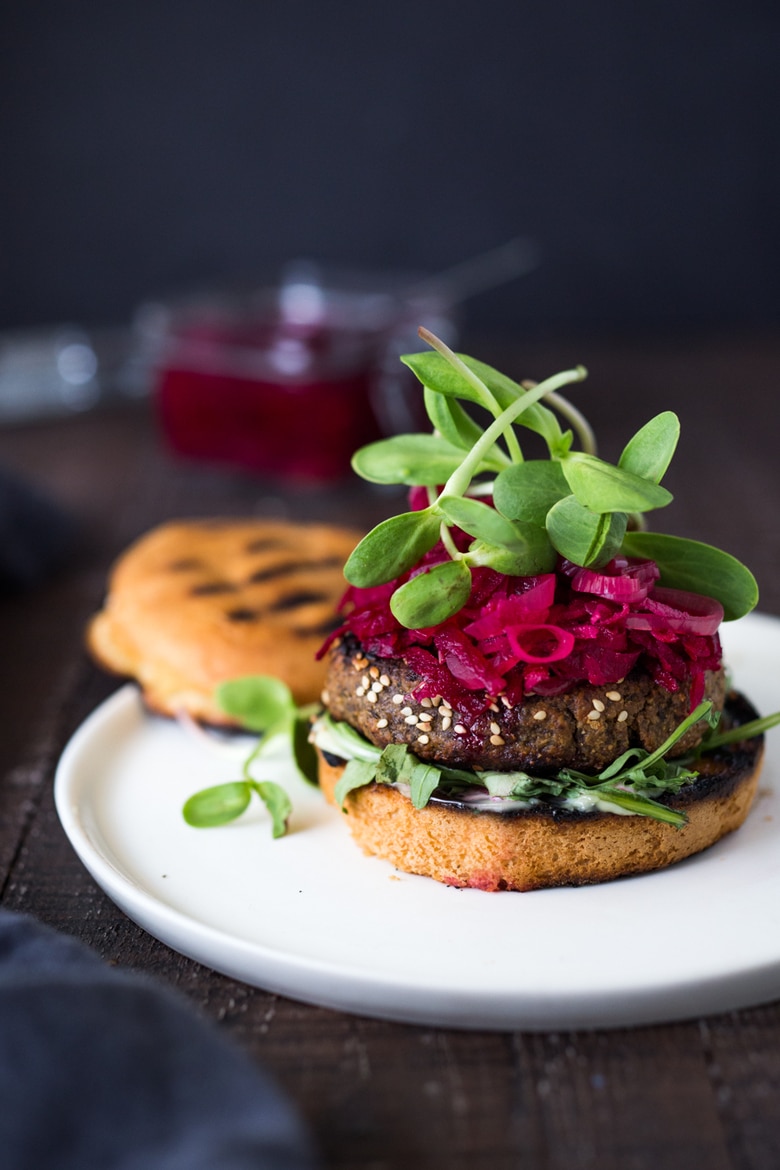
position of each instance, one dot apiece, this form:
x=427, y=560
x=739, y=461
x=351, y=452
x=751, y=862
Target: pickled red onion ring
x=679, y=611
x=562, y=647
x=627, y=579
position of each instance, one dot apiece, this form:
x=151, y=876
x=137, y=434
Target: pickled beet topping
x=543, y=635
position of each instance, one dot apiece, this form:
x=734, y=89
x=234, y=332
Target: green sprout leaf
x=650, y=451
x=487, y=388
x=357, y=774
x=392, y=547
x=535, y=555
x=412, y=459
x=601, y=487
x=582, y=536
x=277, y=802
x=440, y=375
x=217, y=805
x=481, y=521
x=432, y=596
x=697, y=568
x=452, y=422
x=258, y=702
x=510, y=562
x=527, y=491
x=223, y=803
x=264, y=705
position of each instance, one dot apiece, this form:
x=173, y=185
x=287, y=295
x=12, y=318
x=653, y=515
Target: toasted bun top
x=194, y=603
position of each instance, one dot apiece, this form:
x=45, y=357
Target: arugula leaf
x=643, y=806
x=743, y=731
x=393, y=764
x=423, y=781
x=342, y=740
x=357, y=774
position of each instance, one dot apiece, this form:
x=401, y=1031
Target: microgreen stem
x=259, y=749
x=460, y=479
x=489, y=401
x=449, y=543
x=250, y=759
x=577, y=420
x=482, y=489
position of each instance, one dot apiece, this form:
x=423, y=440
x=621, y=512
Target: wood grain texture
x=381, y=1096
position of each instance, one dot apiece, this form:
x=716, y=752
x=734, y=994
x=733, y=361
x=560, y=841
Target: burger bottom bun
x=539, y=847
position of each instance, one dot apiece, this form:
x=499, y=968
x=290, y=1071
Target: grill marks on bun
x=195, y=603
x=268, y=562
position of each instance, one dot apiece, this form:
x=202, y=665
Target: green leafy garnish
x=392, y=547
x=572, y=504
x=650, y=452
x=430, y=597
x=261, y=704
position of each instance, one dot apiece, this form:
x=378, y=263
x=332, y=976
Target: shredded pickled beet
x=543, y=635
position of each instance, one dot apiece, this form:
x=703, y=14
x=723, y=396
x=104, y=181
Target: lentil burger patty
x=587, y=727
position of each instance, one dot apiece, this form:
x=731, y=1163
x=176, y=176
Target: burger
x=527, y=686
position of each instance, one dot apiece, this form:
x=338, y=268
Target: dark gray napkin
x=35, y=533
x=102, y=1070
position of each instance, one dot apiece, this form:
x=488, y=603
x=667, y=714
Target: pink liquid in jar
x=267, y=395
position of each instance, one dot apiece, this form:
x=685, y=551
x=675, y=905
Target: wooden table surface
x=383, y=1095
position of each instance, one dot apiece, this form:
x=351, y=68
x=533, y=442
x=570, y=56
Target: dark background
x=147, y=146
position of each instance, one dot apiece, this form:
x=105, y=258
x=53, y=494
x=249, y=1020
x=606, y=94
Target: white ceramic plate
x=309, y=916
